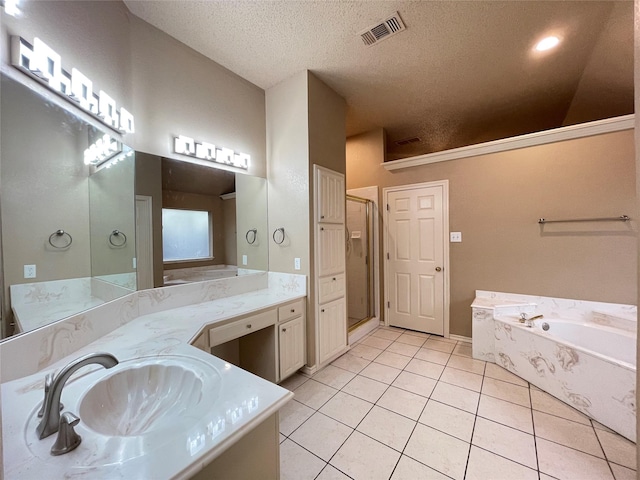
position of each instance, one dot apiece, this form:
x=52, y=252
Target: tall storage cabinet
x=330, y=264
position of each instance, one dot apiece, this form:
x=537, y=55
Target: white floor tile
x=505, y=441
x=314, y=394
x=403, y=349
x=321, y=435
x=365, y=351
x=463, y=350
x=439, y=346
x=462, y=379
x=331, y=473
x=403, y=402
x=391, y=359
x=365, y=388
x=292, y=415
x=598, y=426
x=448, y=419
x=618, y=449
x=380, y=372
x=333, y=376
x=362, y=457
x=506, y=413
x=567, y=433
x=352, y=363
x=387, y=427
x=411, y=340
x=409, y=469
x=424, y=368
x=438, y=450
x=347, y=409
x=623, y=473
x=456, y=397
x=376, y=342
x=506, y=391
x=433, y=356
x=417, y=334
x=569, y=464
x=415, y=383
x=467, y=364
x=485, y=465
x=386, y=334
x=294, y=381
x=296, y=463
x=543, y=402
x=496, y=371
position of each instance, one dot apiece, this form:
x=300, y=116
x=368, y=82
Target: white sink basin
x=142, y=399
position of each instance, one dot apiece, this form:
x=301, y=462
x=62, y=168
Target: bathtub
x=588, y=366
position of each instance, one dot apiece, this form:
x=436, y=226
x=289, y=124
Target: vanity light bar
x=44, y=64
x=102, y=150
x=207, y=151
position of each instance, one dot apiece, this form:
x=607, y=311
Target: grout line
x=473, y=429
x=533, y=427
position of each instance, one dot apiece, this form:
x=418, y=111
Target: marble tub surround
x=156, y=323
x=226, y=412
x=593, y=372
x=37, y=304
x=179, y=276
x=27, y=354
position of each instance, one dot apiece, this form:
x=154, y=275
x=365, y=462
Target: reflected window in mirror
x=186, y=235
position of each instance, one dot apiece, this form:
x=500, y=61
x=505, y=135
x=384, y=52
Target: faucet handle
x=48, y=381
x=523, y=317
x=67, y=439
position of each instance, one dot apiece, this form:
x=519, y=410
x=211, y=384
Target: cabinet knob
x=248, y=325
x=438, y=269
x=284, y=329
x=321, y=216
x=322, y=311
x=293, y=310
x=334, y=279
x=322, y=229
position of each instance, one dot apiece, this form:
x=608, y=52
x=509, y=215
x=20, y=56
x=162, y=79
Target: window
x=186, y=235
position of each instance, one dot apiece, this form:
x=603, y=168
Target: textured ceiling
x=461, y=73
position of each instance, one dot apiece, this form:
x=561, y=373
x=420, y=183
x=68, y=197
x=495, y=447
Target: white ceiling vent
x=382, y=30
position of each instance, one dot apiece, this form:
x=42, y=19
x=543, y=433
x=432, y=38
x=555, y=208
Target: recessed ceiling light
x=547, y=43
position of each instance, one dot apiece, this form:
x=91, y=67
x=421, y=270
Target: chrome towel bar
x=621, y=218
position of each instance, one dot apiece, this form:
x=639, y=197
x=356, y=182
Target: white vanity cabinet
x=291, y=338
x=270, y=343
x=330, y=265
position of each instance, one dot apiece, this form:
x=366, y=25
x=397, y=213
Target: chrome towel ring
x=116, y=234
x=281, y=230
x=253, y=235
x=59, y=234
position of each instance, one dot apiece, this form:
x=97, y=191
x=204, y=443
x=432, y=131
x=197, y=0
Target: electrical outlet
x=29, y=271
x=455, y=237
x=244, y=259
x=296, y=263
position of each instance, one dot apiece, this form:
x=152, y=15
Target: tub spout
x=529, y=321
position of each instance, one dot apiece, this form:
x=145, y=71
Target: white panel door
x=332, y=329
x=331, y=249
x=291, y=340
x=416, y=259
x=331, y=196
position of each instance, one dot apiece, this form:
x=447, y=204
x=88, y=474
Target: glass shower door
x=359, y=276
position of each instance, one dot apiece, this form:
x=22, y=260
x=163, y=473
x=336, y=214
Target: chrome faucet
x=51, y=413
x=528, y=322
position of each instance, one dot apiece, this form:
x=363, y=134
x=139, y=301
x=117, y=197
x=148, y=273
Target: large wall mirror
x=75, y=236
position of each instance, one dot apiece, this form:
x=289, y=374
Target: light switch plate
x=244, y=259
x=296, y=263
x=455, y=237
x=29, y=271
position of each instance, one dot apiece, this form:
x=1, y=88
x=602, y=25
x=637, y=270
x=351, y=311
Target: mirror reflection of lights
x=209, y=152
x=216, y=428
x=42, y=63
x=195, y=444
x=547, y=43
x=105, y=148
x=12, y=7
x=227, y=366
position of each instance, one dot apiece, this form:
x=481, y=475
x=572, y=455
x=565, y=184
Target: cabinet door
x=331, y=254
x=332, y=329
x=291, y=339
x=331, y=288
x=330, y=191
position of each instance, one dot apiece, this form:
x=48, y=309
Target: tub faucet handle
x=523, y=317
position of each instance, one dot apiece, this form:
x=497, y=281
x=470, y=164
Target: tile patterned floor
x=404, y=405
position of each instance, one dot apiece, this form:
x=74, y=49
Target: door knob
x=438, y=269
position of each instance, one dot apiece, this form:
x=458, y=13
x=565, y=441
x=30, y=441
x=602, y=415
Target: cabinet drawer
x=290, y=310
x=241, y=327
x=331, y=288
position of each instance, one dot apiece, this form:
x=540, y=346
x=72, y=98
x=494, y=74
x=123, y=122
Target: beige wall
x=149, y=183
x=495, y=201
x=636, y=82
x=230, y=232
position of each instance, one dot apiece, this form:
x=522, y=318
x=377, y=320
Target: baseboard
x=309, y=371
x=460, y=338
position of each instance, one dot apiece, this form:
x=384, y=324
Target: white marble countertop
x=245, y=400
